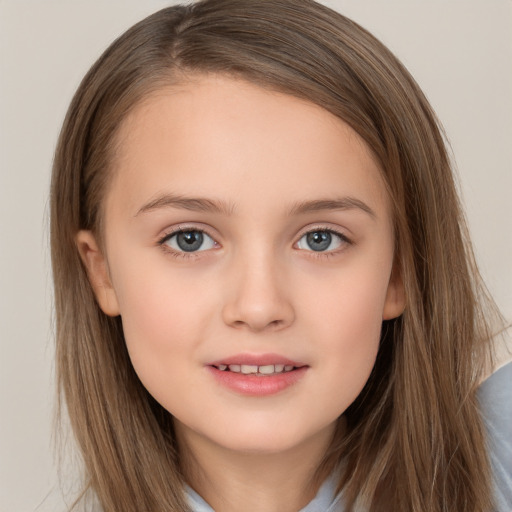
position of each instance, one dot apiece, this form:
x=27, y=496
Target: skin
x=257, y=287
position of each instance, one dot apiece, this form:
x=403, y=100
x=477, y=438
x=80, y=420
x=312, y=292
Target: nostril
x=255, y=327
x=257, y=313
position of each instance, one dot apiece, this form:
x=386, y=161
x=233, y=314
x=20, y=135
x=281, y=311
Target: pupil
x=189, y=241
x=319, y=240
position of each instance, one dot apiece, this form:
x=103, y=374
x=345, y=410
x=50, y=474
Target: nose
x=258, y=298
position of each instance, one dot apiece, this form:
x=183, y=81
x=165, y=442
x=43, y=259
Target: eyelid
x=173, y=231
x=169, y=232
x=311, y=228
x=345, y=240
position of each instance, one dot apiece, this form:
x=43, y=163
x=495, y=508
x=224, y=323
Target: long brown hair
x=414, y=439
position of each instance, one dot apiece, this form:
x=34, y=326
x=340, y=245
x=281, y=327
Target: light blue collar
x=324, y=501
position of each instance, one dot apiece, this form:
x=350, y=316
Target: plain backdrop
x=460, y=51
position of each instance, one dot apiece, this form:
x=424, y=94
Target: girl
x=265, y=295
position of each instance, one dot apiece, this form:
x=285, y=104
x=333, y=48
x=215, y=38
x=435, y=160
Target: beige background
x=460, y=51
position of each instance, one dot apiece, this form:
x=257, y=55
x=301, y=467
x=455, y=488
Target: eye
x=321, y=240
x=190, y=240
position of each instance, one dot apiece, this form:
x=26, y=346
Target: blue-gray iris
x=189, y=241
x=319, y=240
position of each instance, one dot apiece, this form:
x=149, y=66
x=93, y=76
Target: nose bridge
x=259, y=298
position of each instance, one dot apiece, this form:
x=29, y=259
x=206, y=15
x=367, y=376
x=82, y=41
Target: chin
x=263, y=445
x=272, y=437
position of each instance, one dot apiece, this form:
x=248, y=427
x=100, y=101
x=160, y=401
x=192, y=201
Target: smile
x=257, y=374
x=260, y=371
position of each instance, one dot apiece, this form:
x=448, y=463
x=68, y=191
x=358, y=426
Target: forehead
x=215, y=130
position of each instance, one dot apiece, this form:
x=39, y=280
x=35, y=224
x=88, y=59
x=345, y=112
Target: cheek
x=163, y=315
x=346, y=325
x=348, y=304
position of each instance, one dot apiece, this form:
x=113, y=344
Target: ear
x=394, y=304
x=97, y=271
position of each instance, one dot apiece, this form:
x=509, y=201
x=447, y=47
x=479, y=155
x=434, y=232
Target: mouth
x=266, y=370
x=257, y=375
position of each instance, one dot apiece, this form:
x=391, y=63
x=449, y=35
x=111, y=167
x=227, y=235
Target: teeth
x=246, y=368
x=250, y=369
x=266, y=370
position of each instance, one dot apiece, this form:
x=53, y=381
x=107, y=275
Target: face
x=248, y=247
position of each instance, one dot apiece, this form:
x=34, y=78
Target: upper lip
x=257, y=360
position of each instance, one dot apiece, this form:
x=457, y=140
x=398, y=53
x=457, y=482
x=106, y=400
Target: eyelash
x=181, y=254
x=345, y=241
x=195, y=254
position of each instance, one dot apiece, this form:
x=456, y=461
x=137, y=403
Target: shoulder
x=195, y=502
x=495, y=398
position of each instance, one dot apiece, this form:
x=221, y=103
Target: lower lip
x=253, y=385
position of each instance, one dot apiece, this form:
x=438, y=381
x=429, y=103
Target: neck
x=231, y=481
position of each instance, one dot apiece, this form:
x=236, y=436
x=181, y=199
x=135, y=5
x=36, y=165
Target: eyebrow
x=344, y=203
x=200, y=204
x=195, y=204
